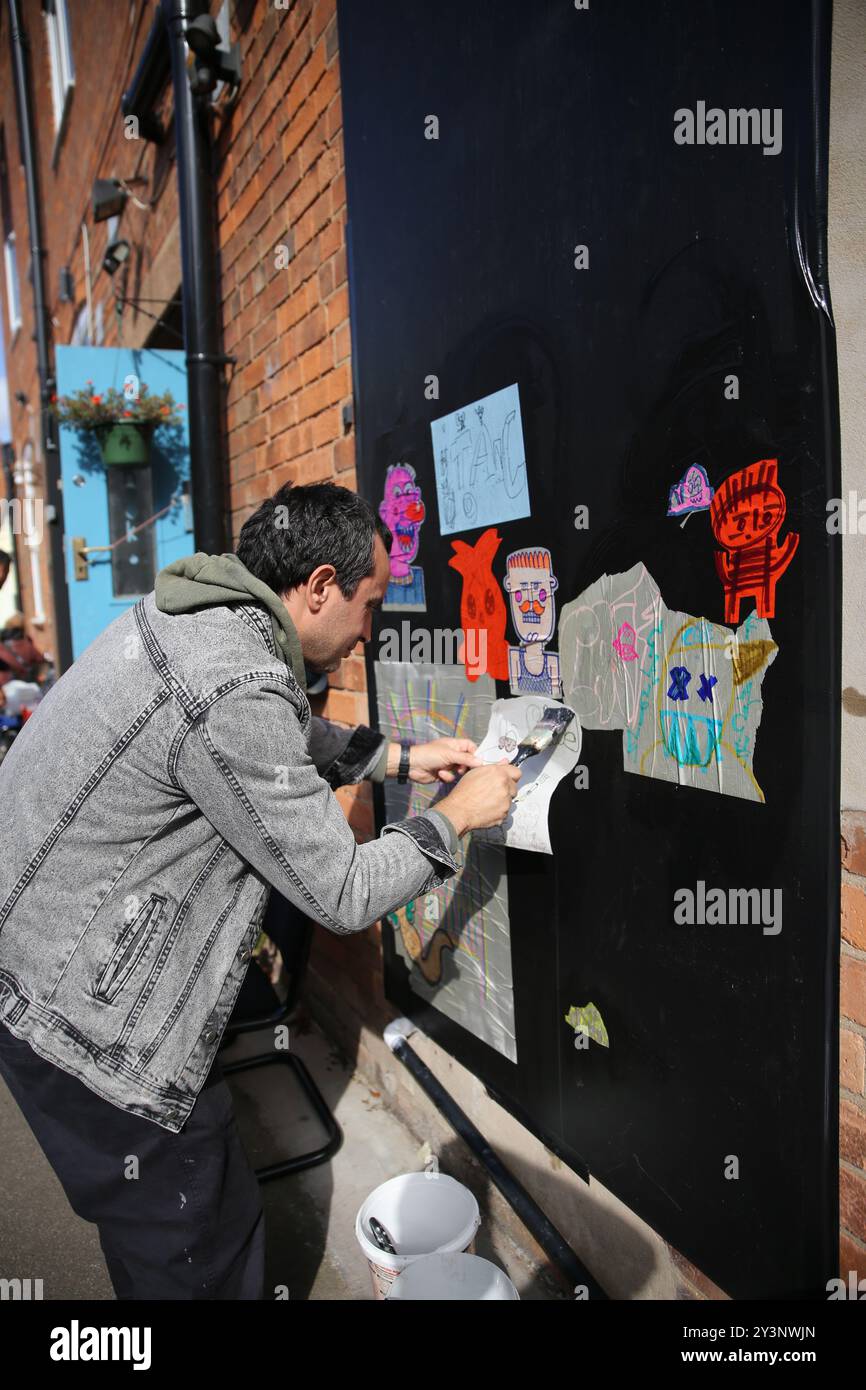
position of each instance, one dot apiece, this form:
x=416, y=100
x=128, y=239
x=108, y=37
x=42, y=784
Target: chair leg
x=317, y=1101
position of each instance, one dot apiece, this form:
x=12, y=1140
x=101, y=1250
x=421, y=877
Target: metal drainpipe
x=200, y=289
x=549, y=1238
x=8, y=459
x=48, y=425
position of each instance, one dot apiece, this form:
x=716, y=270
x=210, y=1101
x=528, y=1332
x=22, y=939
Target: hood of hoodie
x=202, y=580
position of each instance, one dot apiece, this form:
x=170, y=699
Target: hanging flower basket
x=123, y=428
x=124, y=445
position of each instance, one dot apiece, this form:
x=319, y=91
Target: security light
x=116, y=253
x=210, y=62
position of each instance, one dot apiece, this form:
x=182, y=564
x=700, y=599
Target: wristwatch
x=403, y=769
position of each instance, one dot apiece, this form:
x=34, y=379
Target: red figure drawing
x=746, y=515
x=482, y=608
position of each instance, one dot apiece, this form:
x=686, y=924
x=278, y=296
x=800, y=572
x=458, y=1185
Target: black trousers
x=179, y=1216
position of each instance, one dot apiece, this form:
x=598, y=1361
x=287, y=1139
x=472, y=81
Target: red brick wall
x=105, y=49
x=282, y=185
x=852, y=1048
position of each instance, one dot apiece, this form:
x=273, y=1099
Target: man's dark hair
x=300, y=528
x=5, y=559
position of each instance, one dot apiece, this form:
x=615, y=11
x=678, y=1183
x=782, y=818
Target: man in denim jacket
x=170, y=778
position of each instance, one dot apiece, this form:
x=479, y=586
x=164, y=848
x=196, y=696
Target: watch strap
x=403, y=769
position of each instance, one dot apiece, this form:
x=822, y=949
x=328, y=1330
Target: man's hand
x=441, y=760
x=482, y=799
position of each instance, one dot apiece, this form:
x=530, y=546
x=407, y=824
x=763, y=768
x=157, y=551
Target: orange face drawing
x=746, y=515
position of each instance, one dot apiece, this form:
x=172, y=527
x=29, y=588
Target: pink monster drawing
x=403, y=512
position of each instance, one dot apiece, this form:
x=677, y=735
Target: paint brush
x=550, y=727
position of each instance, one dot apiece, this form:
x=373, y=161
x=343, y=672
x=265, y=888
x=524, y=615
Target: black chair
x=258, y=1007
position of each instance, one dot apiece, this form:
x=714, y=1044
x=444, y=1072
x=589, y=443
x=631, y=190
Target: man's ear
x=506, y=584
x=318, y=584
x=554, y=582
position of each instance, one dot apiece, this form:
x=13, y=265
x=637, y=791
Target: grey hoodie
x=165, y=783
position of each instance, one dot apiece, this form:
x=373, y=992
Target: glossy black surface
x=556, y=129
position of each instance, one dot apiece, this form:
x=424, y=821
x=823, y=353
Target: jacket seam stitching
x=273, y=849
x=202, y=877
x=172, y=934
x=159, y=658
x=159, y=830
x=170, y=1093
x=79, y=799
x=205, y=703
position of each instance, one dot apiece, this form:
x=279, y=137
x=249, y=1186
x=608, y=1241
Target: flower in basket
x=88, y=410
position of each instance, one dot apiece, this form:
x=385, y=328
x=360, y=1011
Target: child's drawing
x=692, y=493
x=482, y=607
x=480, y=463
x=746, y=516
x=530, y=582
x=402, y=511
x=456, y=939
x=689, y=706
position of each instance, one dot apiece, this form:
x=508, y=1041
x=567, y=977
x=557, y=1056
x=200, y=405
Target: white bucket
x=21, y=695
x=439, y=1277
x=424, y=1214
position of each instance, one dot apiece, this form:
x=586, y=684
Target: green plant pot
x=124, y=445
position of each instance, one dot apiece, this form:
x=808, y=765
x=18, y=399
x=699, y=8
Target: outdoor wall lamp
x=116, y=253
x=210, y=63
x=109, y=198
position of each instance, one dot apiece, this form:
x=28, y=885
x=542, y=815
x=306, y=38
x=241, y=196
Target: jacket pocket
x=128, y=949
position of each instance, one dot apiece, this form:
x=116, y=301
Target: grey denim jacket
x=170, y=777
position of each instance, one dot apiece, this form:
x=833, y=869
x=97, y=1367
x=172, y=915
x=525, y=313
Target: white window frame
x=13, y=285
x=62, y=68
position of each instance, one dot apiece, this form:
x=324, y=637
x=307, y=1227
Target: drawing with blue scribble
x=685, y=692
x=530, y=582
x=480, y=463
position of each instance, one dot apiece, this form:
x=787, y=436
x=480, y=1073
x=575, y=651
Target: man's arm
x=245, y=764
x=344, y=756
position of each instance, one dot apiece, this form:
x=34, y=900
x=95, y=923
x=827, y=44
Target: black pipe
x=47, y=383
x=8, y=455
x=549, y=1238
x=200, y=288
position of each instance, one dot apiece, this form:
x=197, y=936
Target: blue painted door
x=102, y=506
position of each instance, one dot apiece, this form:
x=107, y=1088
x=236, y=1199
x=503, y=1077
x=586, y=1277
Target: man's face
x=334, y=630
